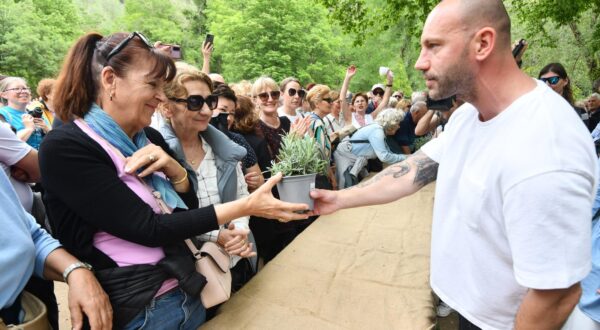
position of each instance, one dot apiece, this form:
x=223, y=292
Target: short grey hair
x=595, y=96
x=389, y=117
x=418, y=96
x=418, y=106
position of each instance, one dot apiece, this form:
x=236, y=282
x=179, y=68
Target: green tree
x=564, y=30
x=35, y=36
x=277, y=38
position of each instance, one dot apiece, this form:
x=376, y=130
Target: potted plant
x=299, y=161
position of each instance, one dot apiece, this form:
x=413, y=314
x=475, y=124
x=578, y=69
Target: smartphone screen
x=175, y=52
x=209, y=38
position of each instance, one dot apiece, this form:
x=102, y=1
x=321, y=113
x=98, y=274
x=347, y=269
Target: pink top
x=126, y=253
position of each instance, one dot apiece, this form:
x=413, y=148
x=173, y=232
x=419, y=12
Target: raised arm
x=207, y=49
x=427, y=123
x=386, y=95
x=350, y=72
x=394, y=182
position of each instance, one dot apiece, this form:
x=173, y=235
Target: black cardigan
x=84, y=195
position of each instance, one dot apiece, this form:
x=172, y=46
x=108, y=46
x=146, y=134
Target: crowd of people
x=127, y=153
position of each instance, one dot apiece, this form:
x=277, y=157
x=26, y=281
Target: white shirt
x=512, y=207
x=12, y=150
x=208, y=192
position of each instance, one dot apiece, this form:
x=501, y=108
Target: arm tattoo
x=426, y=169
x=395, y=170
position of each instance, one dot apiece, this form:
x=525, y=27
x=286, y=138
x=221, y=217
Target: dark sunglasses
x=293, y=91
x=196, y=102
x=378, y=92
x=119, y=47
x=398, y=96
x=328, y=100
x=264, y=97
x=552, y=80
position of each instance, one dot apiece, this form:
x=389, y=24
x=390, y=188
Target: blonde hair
x=185, y=72
x=263, y=83
x=242, y=88
x=4, y=83
x=316, y=94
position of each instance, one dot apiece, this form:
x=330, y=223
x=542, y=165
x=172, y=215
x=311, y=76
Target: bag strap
x=359, y=141
x=193, y=248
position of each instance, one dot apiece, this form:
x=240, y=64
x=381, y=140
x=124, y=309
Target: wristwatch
x=74, y=266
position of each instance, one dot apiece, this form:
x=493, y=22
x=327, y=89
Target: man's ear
x=485, y=42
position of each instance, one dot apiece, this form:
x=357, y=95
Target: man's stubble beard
x=458, y=80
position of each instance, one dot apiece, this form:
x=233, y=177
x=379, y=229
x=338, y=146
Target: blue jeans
x=172, y=310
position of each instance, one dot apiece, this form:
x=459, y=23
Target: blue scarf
x=107, y=128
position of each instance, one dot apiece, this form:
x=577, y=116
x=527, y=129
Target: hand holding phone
x=209, y=39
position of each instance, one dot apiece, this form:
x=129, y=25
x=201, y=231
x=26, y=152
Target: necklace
x=194, y=155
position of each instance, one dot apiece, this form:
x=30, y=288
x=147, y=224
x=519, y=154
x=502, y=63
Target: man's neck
x=497, y=86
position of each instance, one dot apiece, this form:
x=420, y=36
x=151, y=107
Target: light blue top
x=590, y=299
x=376, y=148
x=24, y=246
x=13, y=117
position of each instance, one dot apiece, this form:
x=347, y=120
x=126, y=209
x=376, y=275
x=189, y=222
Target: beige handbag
x=36, y=315
x=213, y=263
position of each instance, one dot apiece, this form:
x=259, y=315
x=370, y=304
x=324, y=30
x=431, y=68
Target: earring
x=111, y=95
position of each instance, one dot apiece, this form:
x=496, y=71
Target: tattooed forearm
x=426, y=169
x=396, y=170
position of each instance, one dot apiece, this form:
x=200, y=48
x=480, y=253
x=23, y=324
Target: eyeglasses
x=196, y=102
x=124, y=43
x=19, y=89
x=293, y=91
x=378, y=92
x=328, y=100
x=264, y=97
x=551, y=80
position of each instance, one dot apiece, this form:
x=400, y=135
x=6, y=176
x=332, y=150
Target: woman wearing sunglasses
x=111, y=183
x=292, y=95
x=555, y=76
x=272, y=237
x=321, y=101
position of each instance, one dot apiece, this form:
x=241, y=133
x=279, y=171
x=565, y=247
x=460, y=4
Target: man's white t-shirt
x=12, y=150
x=513, y=206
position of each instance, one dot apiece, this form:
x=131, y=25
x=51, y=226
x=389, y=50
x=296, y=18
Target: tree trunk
x=590, y=59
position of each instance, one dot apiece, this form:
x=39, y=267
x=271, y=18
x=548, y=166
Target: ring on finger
x=152, y=158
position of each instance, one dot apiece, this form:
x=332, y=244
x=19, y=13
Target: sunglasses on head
x=378, y=92
x=264, y=97
x=119, y=47
x=551, y=80
x=196, y=102
x=293, y=91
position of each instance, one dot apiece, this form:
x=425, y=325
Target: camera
x=35, y=112
x=442, y=104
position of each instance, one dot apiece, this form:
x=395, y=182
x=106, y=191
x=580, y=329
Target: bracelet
x=182, y=180
x=74, y=266
x=389, y=85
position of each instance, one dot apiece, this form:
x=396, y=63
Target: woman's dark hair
x=225, y=91
x=245, y=119
x=559, y=69
x=78, y=83
x=361, y=94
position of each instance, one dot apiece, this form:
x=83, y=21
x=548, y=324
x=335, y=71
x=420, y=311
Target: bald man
x=511, y=220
